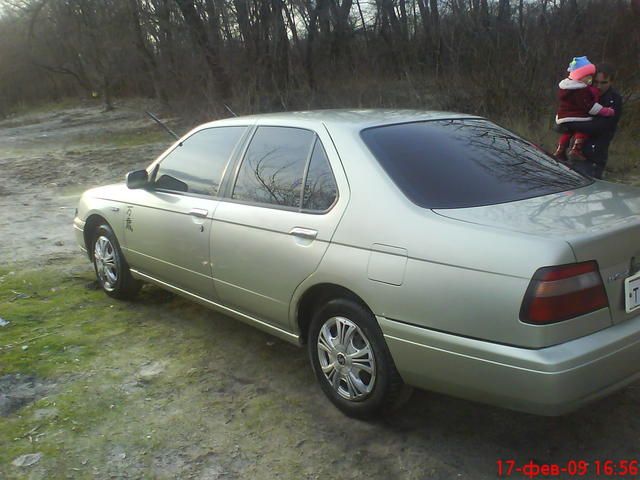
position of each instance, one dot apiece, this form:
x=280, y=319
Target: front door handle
x=301, y=232
x=199, y=212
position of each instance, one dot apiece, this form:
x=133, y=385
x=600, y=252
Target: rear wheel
x=111, y=268
x=352, y=361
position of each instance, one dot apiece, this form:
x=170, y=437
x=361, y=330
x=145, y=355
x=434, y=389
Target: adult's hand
x=607, y=112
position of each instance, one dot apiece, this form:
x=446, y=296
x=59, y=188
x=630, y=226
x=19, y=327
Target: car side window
x=197, y=165
x=320, y=188
x=273, y=167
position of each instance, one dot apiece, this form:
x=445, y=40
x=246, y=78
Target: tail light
x=563, y=292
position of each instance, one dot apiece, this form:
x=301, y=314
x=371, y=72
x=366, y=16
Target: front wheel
x=352, y=361
x=111, y=268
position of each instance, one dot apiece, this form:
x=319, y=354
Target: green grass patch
x=55, y=324
x=135, y=137
x=124, y=138
x=27, y=109
x=58, y=337
x=138, y=389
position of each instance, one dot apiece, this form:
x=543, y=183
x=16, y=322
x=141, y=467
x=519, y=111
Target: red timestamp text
x=574, y=468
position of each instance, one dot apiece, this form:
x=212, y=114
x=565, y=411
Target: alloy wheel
x=346, y=358
x=106, y=260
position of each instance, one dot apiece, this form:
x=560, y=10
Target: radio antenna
x=161, y=123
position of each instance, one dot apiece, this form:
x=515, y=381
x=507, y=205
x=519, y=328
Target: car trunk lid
x=600, y=222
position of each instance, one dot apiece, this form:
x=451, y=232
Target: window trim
x=305, y=171
x=230, y=160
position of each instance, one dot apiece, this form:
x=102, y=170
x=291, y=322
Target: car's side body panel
x=467, y=302
x=105, y=202
x=459, y=271
x=166, y=235
x=261, y=253
x=258, y=261
x=243, y=317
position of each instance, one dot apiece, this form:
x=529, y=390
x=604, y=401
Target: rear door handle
x=199, y=212
x=307, y=233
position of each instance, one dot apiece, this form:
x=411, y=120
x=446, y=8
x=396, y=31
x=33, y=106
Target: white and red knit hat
x=580, y=67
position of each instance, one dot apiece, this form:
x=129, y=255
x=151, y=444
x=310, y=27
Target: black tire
x=112, y=270
x=355, y=391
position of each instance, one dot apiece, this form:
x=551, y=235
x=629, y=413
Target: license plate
x=632, y=292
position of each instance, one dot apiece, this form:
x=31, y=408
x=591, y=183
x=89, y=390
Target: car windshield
x=466, y=163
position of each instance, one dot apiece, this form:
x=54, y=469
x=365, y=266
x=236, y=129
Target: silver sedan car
x=403, y=248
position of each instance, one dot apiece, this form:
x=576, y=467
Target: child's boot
x=575, y=154
x=561, y=152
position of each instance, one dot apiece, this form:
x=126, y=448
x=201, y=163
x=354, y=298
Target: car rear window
x=465, y=163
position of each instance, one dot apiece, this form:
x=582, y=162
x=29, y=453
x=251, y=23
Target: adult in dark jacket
x=601, y=130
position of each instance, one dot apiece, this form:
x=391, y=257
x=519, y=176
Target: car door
x=274, y=229
x=168, y=226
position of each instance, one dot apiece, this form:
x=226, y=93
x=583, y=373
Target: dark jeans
x=591, y=169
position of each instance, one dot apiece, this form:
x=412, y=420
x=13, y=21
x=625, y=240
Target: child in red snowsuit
x=578, y=104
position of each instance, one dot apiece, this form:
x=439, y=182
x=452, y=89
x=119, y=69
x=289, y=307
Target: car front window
x=198, y=163
x=465, y=163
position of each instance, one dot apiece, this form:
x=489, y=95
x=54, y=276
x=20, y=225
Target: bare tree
x=482, y=56
x=209, y=46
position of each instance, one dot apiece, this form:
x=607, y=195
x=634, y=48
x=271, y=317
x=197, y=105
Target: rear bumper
x=547, y=381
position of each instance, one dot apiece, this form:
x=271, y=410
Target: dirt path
x=47, y=159
x=162, y=388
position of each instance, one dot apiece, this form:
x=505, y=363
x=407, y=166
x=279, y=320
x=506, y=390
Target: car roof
x=349, y=118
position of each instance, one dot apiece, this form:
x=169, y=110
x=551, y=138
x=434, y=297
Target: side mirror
x=137, y=179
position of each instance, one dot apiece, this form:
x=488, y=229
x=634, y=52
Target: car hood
x=598, y=207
